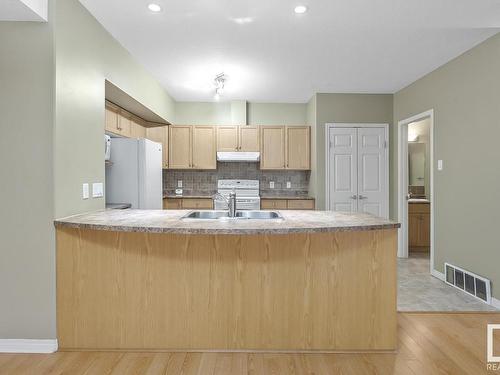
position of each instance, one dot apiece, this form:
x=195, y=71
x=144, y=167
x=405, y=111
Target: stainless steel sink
x=261, y=215
x=241, y=215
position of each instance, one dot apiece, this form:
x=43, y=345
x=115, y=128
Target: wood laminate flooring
x=429, y=343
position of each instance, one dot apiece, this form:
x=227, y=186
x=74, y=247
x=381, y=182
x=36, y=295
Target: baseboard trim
x=495, y=302
x=28, y=346
x=438, y=275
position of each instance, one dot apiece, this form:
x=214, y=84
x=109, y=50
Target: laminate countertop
x=170, y=221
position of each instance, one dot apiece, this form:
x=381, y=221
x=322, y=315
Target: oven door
x=248, y=203
x=242, y=203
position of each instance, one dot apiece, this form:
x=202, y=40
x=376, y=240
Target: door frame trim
x=332, y=125
x=402, y=182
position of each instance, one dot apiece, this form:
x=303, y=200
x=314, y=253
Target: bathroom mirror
x=416, y=163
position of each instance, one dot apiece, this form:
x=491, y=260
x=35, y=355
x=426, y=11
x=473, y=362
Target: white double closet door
x=358, y=170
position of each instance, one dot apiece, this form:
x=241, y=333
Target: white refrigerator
x=134, y=174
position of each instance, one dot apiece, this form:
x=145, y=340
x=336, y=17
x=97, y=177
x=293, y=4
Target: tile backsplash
x=205, y=182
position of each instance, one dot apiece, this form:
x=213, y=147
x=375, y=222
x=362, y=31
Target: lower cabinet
x=187, y=204
x=419, y=226
x=287, y=204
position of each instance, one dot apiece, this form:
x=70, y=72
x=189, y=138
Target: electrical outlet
x=85, y=191
x=271, y=184
x=288, y=185
x=179, y=183
x=97, y=190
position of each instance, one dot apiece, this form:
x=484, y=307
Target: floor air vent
x=469, y=282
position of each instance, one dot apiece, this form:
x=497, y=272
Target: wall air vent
x=468, y=282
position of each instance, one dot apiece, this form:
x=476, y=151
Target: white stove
x=247, y=194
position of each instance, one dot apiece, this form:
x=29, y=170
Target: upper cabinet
x=159, y=134
x=298, y=147
x=180, y=147
x=137, y=129
x=272, y=150
x=227, y=138
x=204, y=148
x=249, y=138
x=117, y=122
x=237, y=138
x=192, y=147
x=285, y=147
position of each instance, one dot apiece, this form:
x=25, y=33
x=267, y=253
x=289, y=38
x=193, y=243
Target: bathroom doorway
x=415, y=188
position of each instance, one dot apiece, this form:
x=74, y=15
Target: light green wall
x=86, y=55
x=277, y=113
x=209, y=113
x=349, y=108
x=311, y=121
x=27, y=246
x=465, y=97
x=202, y=113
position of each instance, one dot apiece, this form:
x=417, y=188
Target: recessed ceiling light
x=300, y=9
x=154, y=8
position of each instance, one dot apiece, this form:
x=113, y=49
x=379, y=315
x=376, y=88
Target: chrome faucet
x=231, y=202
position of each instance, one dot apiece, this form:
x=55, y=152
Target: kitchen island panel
x=333, y=291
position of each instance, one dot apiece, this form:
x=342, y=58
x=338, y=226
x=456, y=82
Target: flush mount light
x=219, y=82
x=300, y=9
x=154, y=8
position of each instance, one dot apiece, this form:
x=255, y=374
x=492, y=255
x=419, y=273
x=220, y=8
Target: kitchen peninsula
x=151, y=280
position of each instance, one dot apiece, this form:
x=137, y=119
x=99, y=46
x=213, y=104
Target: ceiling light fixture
x=242, y=20
x=219, y=83
x=300, y=9
x=154, y=8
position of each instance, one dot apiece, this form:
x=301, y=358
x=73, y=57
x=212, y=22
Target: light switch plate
x=85, y=191
x=97, y=190
x=179, y=183
x=271, y=184
x=440, y=165
x=288, y=185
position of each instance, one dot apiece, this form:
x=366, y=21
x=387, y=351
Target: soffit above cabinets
x=23, y=10
x=119, y=97
x=270, y=54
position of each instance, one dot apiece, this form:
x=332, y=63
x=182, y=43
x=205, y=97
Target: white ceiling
x=23, y=10
x=361, y=46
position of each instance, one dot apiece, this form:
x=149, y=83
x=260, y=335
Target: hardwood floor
x=428, y=343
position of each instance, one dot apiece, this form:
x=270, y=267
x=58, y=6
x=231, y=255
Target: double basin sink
x=241, y=215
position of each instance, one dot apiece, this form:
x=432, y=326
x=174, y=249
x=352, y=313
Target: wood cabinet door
x=160, y=134
x=204, y=148
x=111, y=121
x=424, y=238
x=273, y=204
x=298, y=147
x=272, y=149
x=227, y=138
x=413, y=230
x=179, y=150
x=124, y=125
x=300, y=204
x=197, y=203
x=137, y=130
x=172, y=204
x=249, y=138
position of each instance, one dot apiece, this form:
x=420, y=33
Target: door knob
x=362, y=197
x=353, y=197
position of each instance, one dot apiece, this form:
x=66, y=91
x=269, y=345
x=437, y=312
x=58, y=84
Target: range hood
x=238, y=156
